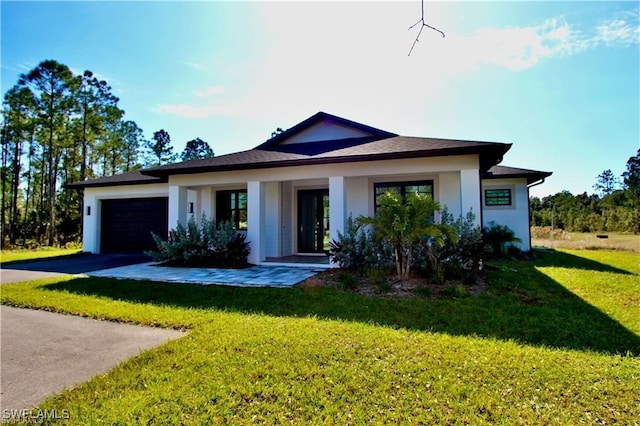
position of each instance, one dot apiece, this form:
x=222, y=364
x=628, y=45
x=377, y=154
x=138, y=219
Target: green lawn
x=7, y=256
x=557, y=342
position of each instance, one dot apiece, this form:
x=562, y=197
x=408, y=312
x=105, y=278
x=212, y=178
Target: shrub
x=202, y=245
x=357, y=251
x=461, y=251
x=352, y=248
x=456, y=291
x=347, y=281
x=423, y=291
x=498, y=237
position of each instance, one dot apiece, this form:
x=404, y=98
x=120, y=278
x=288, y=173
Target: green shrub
x=384, y=286
x=498, y=237
x=347, y=281
x=460, y=251
x=357, y=251
x=202, y=245
x=456, y=291
x=423, y=291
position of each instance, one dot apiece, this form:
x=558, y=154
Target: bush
x=461, y=252
x=356, y=250
x=202, y=245
x=498, y=237
x=347, y=281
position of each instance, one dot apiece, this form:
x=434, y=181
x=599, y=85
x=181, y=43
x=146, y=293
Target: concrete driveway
x=43, y=353
x=84, y=263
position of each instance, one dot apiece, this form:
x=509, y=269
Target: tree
x=405, y=225
x=19, y=127
x=631, y=177
x=196, y=149
x=606, y=183
x=54, y=85
x=276, y=132
x=161, y=149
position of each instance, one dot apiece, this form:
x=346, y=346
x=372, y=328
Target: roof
x=130, y=178
x=503, y=172
x=386, y=149
x=323, y=116
x=369, y=144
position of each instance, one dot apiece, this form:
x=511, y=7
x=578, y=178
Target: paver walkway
x=255, y=276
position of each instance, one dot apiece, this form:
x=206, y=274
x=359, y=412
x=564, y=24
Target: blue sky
x=561, y=81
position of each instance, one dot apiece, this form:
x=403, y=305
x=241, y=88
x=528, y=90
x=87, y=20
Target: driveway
x=43, y=353
x=80, y=264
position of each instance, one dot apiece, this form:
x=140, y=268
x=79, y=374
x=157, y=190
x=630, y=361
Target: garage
x=127, y=224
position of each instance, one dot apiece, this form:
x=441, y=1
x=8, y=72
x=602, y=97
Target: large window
x=231, y=206
x=497, y=197
x=403, y=189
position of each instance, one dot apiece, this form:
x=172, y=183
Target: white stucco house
x=293, y=193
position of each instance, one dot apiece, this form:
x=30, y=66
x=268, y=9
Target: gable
x=325, y=130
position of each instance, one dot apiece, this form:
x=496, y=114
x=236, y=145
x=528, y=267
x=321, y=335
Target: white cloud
x=519, y=48
x=209, y=91
x=623, y=30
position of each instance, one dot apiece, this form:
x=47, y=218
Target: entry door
x=313, y=221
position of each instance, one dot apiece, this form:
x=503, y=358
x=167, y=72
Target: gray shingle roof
x=381, y=145
x=131, y=178
x=503, y=172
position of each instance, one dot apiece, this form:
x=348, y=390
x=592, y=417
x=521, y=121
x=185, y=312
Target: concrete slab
x=43, y=353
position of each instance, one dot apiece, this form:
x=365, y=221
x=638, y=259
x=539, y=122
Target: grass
x=546, y=344
x=7, y=256
x=587, y=240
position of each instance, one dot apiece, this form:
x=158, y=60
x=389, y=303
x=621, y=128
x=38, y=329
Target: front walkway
x=255, y=276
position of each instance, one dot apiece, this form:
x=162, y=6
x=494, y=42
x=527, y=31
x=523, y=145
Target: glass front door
x=313, y=221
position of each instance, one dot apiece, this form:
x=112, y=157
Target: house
x=293, y=193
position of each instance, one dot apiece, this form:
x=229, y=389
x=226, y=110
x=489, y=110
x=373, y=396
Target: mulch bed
x=411, y=288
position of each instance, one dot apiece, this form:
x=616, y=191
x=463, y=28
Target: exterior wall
x=325, y=131
x=92, y=198
x=408, y=166
x=456, y=185
x=515, y=216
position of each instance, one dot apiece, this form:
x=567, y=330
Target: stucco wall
x=92, y=198
x=515, y=216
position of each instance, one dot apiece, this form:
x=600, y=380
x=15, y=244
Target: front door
x=313, y=221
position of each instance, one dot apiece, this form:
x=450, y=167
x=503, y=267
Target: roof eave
x=89, y=184
x=490, y=153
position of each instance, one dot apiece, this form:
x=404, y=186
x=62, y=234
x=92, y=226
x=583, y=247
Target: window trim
x=228, y=209
x=496, y=198
x=403, y=184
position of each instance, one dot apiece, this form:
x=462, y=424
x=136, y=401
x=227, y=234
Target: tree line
x=58, y=128
x=614, y=206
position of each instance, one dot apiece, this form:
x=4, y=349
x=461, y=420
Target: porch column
x=470, y=193
x=337, y=207
x=256, y=221
x=177, y=206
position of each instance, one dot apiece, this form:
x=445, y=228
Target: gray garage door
x=127, y=224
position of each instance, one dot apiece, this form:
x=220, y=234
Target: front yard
x=551, y=341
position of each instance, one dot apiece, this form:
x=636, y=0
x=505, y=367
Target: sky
x=558, y=80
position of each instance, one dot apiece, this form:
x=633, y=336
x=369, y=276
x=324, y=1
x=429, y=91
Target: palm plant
x=404, y=224
x=498, y=236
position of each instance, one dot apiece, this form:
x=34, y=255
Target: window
x=403, y=189
x=497, y=197
x=231, y=206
